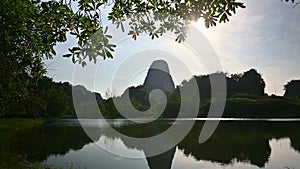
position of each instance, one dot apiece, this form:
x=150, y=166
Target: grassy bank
x=8, y=127
x=19, y=123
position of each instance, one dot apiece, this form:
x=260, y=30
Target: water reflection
x=235, y=144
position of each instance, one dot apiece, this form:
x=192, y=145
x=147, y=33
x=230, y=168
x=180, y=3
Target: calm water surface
x=237, y=143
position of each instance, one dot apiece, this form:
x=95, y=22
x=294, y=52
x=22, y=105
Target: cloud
x=265, y=35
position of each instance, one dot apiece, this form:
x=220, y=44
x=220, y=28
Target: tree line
x=246, y=97
x=47, y=99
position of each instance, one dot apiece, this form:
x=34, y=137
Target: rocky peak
x=158, y=77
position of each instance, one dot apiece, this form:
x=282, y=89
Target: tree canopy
x=292, y=88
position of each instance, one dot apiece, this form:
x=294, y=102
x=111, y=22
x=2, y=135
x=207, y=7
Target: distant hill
x=84, y=102
x=86, y=94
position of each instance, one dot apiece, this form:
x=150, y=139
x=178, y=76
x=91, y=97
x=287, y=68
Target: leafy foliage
x=47, y=99
x=250, y=82
x=155, y=18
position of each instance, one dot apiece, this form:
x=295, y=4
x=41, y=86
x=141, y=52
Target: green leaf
x=73, y=59
x=108, y=54
x=106, y=28
x=76, y=48
x=67, y=55
x=73, y=33
x=83, y=64
x=122, y=27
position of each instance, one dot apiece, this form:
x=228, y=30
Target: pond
x=236, y=143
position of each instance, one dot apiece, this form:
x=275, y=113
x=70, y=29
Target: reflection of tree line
x=243, y=141
x=37, y=144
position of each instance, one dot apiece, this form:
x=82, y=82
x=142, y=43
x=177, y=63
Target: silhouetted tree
x=251, y=82
x=292, y=88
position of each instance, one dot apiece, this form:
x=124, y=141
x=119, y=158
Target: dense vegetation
x=245, y=98
x=47, y=99
x=292, y=89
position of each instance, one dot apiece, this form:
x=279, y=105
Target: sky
x=265, y=36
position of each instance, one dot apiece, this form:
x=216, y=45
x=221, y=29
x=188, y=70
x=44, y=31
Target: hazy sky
x=264, y=36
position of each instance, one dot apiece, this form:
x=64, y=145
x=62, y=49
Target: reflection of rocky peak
x=162, y=161
x=158, y=77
